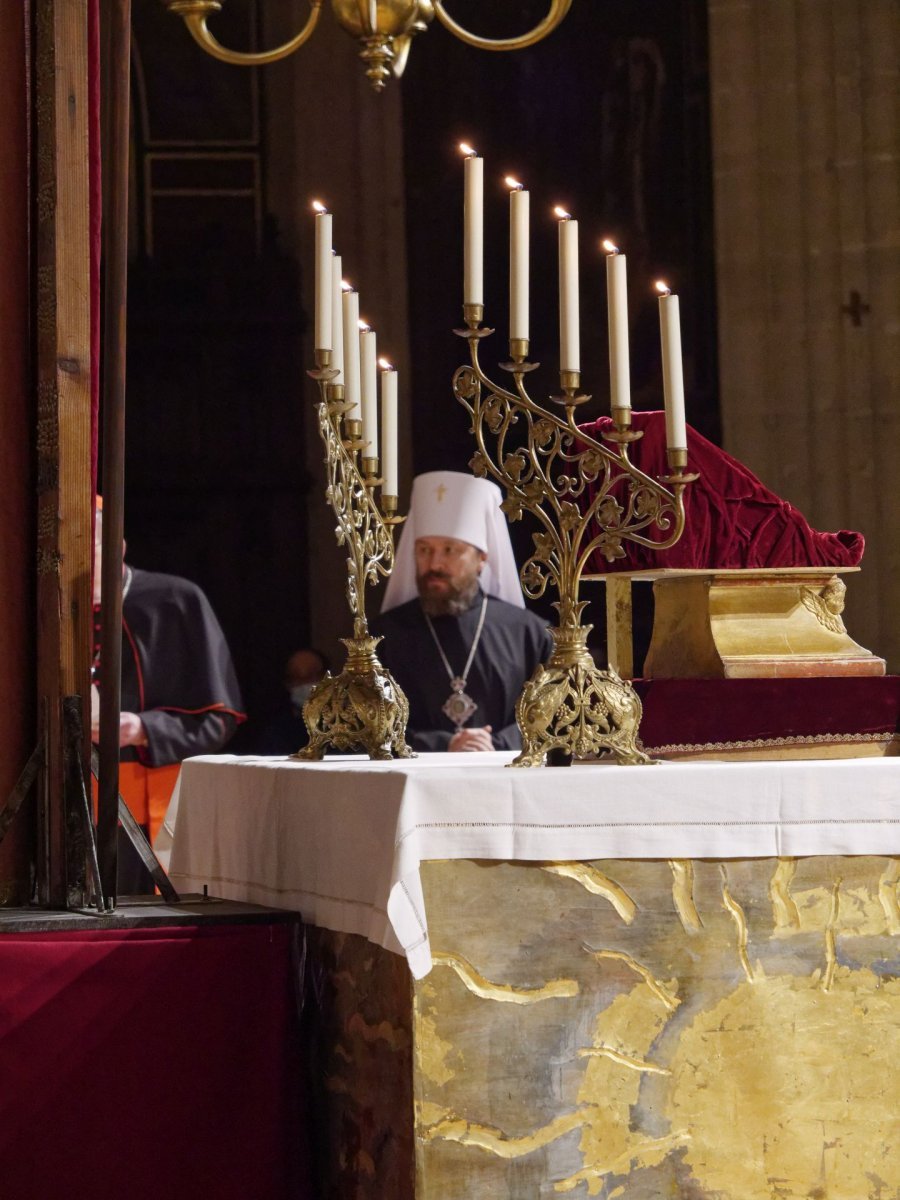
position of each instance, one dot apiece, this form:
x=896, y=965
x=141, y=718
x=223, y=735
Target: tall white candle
x=324, y=278
x=518, y=260
x=389, y=471
x=368, y=371
x=617, y=301
x=569, y=318
x=673, y=374
x=351, y=353
x=473, y=220
x=337, y=320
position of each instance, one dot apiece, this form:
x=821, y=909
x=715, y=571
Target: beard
x=451, y=601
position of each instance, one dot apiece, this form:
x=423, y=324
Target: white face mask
x=300, y=693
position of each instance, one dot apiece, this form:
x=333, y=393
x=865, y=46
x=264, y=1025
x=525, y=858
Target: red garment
x=732, y=519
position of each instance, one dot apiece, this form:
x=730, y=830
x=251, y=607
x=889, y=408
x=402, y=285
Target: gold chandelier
x=385, y=29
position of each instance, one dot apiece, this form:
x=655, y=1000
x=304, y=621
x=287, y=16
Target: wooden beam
x=116, y=41
x=63, y=369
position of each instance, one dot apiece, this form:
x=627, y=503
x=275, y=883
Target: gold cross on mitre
x=440, y=492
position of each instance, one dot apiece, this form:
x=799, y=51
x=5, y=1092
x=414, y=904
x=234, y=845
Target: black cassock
x=177, y=672
x=512, y=644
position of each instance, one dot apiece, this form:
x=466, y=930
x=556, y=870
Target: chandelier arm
x=196, y=23
x=558, y=9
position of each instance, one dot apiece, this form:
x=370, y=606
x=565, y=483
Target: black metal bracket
x=80, y=810
x=138, y=839
x=22, y=788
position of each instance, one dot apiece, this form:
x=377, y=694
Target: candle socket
x=323, y=359
x=473, y=314
x=353, y=434
x=677, y=457
x=518, y=349
x=389, y=505
x=370, y=469
x=335, y=393
x=570, y=381
x=621, y=416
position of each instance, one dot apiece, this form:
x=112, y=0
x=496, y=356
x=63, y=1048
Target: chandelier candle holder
x=363, y=706
x=586, y=494
x=384, y=30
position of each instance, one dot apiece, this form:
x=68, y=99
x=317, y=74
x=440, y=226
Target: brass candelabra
x=363, y=706
x=587, y=497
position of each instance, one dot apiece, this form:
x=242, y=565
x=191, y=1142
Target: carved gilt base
x=571, y=709
x=753, y=625
x=363, y=707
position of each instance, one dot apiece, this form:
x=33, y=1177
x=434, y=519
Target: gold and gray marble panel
x=638, y=1030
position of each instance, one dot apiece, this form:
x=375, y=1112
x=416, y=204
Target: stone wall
x=807, y=202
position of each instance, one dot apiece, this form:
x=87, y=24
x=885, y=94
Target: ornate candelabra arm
x=196, y=13
x=558, y=9
x=363, y=707
x=569, y=708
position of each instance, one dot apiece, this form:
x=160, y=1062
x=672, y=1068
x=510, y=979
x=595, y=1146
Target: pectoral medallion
x=458, y=706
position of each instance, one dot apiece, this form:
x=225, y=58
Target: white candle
x=351, y=353
x=337, y=320
x=569, y=320
x=473, y=219
x=389, y=472
x=617, y=301
x=673, y=375
x=368, y=372
x=518, y=260
x=324, y=278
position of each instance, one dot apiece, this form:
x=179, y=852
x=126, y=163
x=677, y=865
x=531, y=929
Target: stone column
x=807, y=210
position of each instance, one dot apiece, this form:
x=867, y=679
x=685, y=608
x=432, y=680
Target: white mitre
x=453, y=505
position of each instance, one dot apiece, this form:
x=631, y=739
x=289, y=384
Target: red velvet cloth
x=95, y=199
x=690, y=712
x=732, y=519
x=149, y=1063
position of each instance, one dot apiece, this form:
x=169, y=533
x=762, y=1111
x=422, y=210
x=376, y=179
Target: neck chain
x=458, y=706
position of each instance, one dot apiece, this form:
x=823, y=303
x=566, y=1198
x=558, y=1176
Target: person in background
x=286, y=732
x=457, y=635
x=180, y=694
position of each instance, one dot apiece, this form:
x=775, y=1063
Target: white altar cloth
x=341, y=841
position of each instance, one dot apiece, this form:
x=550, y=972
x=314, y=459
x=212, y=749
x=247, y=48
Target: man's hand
x=131, y=731
x=472, y=739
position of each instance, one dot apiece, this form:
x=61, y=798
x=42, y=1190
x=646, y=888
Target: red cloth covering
x=692, y=712
x=148, y=1063
x=732, y=519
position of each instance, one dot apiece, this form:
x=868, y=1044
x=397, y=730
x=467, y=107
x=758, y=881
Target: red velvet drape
x=96, y=211
x=150, y=1063
x=17, y=448
x=690, y=712
x=732, y=519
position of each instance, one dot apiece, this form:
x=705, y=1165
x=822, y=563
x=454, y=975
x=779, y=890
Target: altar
x=632, y=982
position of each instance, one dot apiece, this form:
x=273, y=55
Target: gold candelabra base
x=363, y=708
x=571, y=709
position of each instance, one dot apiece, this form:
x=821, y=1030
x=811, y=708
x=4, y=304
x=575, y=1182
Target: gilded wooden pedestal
x=753, y=625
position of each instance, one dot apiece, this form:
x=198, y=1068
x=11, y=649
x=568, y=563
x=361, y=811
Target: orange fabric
x=147, y=791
